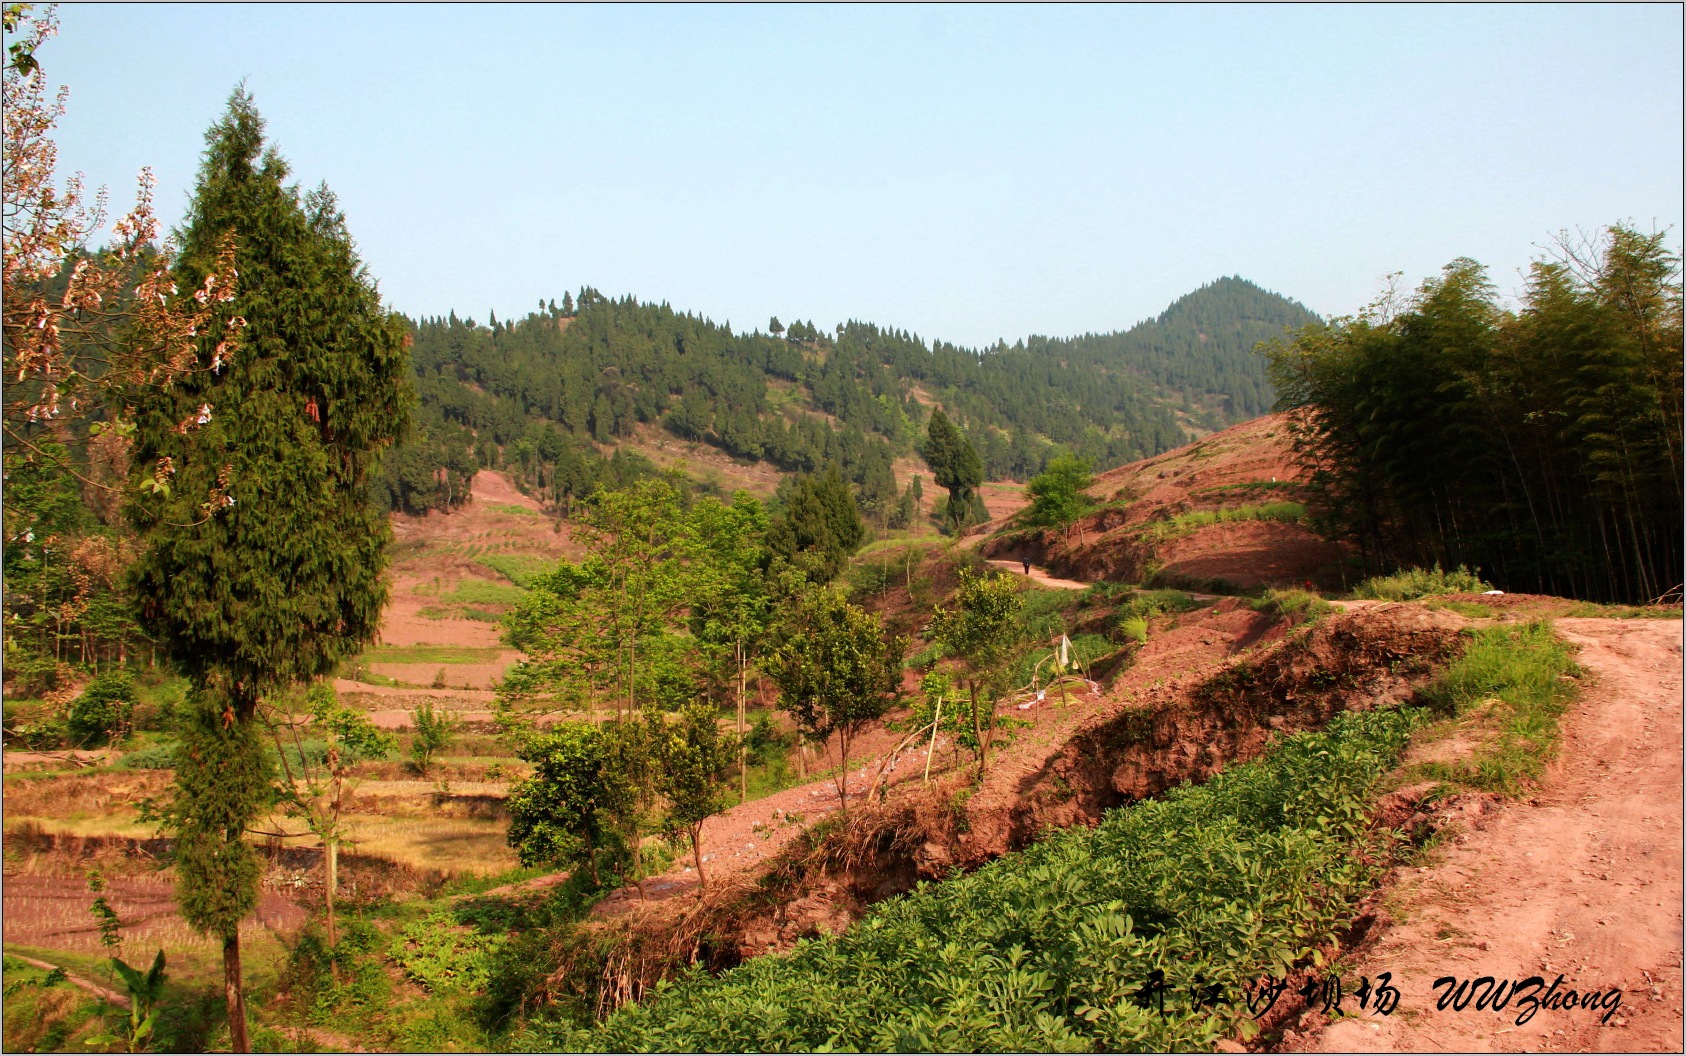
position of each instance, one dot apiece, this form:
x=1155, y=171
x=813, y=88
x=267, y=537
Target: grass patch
x=1473, y=610
x=483, y=592
x=1623, y=612
x=513, y=509
x=431, y=654
x=44, y=1012
x=458, y=612
x=471, y=591
x=1297, y=606
x=1194, y=520
x=520, y=569
x=1511, y=685
x=1412, y=583
x=1249, y=487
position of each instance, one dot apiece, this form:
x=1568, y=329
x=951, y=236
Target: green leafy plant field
x=1046, y=950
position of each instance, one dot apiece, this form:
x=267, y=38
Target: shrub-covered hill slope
x=1224, y=512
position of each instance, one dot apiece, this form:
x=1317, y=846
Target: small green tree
x=435, y=729
x=1056, y=494
x=730, y=606
x=575, y=805
x=982, y=630
x=836, y=669
x=316, y=794
x=694, y=760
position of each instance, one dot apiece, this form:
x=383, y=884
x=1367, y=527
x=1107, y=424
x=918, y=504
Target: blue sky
x=966, y=173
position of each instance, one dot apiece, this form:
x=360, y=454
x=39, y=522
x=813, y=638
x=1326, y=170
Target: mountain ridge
x=551, y=397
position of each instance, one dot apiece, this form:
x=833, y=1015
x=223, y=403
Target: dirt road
x=1040, y=577
x=1582, y=880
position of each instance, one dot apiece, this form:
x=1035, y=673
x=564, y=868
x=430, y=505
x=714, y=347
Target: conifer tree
x=820, y=521
x=265, y=553
x=955, y=466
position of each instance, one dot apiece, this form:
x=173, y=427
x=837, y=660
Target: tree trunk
x=977, y=728
x=330, y=889
x=234, y=994
x=743, y=749
x=696, y=853
x=843, y=771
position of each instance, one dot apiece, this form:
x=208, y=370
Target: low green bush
x=1299, y=606
x=160, y=756
x=1412, y=583
x=1184, y=523
x=102, y=711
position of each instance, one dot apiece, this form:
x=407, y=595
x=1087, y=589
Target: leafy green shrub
x=33, y=726
x=1412, y=583
x=1298, y=606
x=434, y=732
x=1046, y=949
x=1042, y=614
x=152, y=757
x=868, y=579
x=29, y=673
x=439, y=952
x=103, y=710
x=1104, y=593
x=926, y=658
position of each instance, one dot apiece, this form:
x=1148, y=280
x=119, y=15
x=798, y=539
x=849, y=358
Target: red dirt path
x=1582, y=879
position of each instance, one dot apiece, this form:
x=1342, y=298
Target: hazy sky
x=966, y=173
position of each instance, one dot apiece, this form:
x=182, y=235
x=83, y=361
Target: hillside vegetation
x=546, y=395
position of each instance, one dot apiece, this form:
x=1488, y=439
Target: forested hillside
x=544, y=396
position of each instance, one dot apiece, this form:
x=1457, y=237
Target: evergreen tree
x=265, y=553
x=955, y=466
x=820, y=526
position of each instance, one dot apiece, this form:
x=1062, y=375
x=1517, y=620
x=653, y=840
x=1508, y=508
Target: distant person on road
x=1027, y=567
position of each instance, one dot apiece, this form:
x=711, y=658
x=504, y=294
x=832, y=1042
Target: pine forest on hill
x=610, y=760
x=541, y=396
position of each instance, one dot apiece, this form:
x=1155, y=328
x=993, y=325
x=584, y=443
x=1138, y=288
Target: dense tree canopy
x=541, y=396
x=1541, y=446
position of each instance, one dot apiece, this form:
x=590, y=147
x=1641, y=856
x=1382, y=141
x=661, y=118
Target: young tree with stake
x=836, y=670
x=982, y=631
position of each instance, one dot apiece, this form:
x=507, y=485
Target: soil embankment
x=1582, y=879
x=1067, y=767
x=1214, y=512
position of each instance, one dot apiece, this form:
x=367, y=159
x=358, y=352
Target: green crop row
x=1049, y=949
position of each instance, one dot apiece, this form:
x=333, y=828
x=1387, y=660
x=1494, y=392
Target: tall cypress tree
x=954, y=465
x=265, y=552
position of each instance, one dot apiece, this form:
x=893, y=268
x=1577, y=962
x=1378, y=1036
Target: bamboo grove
x=1540, y=445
